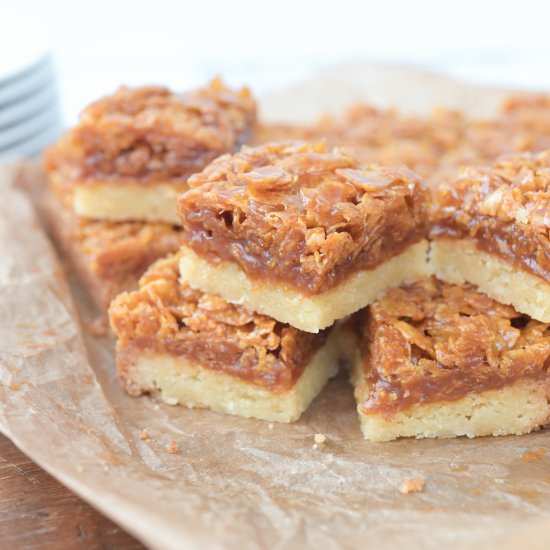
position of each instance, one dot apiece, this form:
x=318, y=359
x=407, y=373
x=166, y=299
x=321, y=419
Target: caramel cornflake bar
x=428, y=145
x=436, y=145
x=440, y=360
x=302, y=233
x=108, y=257
x=525, y=122
x=388, y=137
x=197, y=350
x=492, y=229
x=132, y=152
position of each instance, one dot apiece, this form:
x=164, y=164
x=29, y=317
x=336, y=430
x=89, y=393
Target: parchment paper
x=237, y=483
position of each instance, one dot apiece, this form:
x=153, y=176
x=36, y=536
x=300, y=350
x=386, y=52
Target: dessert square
x=197, y=350
x=491, y=228
x=525, y=120
x=132, y=152
x=302, y=233
x=108, y=257
x=384, y=136
x=441, y=360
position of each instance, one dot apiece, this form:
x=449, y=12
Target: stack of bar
x=302, y=233
x=283, y=240
x=114, y=178
x=280, y=241
x=276, y=262
x=441, y=359
x=491, y=229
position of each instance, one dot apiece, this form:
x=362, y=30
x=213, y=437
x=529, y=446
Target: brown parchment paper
x=237, y=483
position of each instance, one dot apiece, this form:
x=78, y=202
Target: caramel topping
x=301, y=214
x=431, y=341
x=384, y=137
x=506, y=208
x=115, y=250
x=435, y=146
x=151, y=134
x=525, y=120
x=167, y=316
x=119, y=249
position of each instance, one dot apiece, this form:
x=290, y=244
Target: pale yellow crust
x=516, y=409
x=307, y=313
x=128, y=202
x=179, y=381
x=459, y=260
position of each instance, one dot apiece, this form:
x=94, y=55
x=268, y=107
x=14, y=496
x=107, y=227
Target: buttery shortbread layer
x=179, y=381
x=459, y=260
x=516, y=409
x=128, y=202
x=308, y=313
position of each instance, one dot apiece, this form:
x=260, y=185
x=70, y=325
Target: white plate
x=26, y=129
x=23, y=43
x=28, y=106
x=31, y=147
x=28, y=83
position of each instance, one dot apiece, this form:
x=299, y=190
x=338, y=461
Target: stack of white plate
x=29, y=109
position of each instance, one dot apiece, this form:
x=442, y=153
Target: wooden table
x=37, y=512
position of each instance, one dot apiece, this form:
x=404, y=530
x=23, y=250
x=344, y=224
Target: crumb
x=459, y=467
x=111, y=458
x=144, y=435
x=319, y=438
x=173, y=447
x=60, y=274
x=270, y=425
x=28, y=344
x=314, y=446
x=412, y=485
x=97, y=327
x=533, y=455
x=14, y=386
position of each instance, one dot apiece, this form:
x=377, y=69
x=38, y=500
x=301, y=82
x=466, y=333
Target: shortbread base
x=128, y=202
x=519, y=408
x=307, y=313
x=459, y=260
x=177, y=380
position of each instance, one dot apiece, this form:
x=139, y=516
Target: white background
x=101, y=44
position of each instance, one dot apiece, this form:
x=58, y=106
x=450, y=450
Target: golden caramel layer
x=434, y=146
